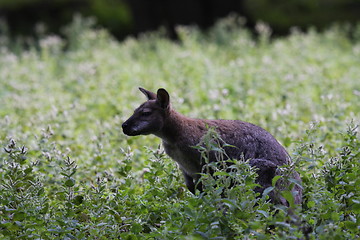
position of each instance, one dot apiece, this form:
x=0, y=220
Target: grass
x=68, y=171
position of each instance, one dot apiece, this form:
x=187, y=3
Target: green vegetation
x=68, y=172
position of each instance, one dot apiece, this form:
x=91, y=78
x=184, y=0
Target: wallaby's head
x=149, y=118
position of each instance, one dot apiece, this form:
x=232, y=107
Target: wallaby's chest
x=187, y=158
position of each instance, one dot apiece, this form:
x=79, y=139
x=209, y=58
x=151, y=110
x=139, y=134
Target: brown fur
x=180, y=134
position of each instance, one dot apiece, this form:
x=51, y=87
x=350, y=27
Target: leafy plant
x=22, y=197
x=79, y=177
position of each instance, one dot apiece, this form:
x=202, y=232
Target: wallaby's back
x=250, y=141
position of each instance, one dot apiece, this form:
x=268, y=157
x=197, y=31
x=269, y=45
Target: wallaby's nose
x=127, y=128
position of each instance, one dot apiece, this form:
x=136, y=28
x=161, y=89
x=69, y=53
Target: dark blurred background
x=124, y=17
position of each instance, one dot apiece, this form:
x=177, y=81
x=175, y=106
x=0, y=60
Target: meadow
x=68, y=172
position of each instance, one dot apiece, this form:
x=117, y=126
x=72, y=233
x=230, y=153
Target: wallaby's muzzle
x=134, y=127
x=128, y=130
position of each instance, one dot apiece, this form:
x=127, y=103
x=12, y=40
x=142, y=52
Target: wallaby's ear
x=148, y=94
x=163, y=98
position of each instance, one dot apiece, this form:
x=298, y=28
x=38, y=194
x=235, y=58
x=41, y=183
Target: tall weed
x=78, y=177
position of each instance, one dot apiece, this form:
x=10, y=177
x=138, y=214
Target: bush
x=68, y=172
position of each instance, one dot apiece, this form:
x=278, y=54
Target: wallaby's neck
x=178, y=127
x=173, y=126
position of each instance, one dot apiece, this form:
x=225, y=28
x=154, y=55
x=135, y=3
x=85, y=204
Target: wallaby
x=180, y=134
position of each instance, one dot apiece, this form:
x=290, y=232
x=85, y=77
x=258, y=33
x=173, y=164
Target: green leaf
x=230, y=203
x=274, y=180
x=70, y=182
x=221, y=173
x=264, y=213
x=136, y=228
x=351, y=225
x=19, y=216
x=41, y=192
x=267, y=191
x=311, y=204
x=289, y=197
x=335, y=216
x=28, y=170
x=296, y=182
x=79, y=199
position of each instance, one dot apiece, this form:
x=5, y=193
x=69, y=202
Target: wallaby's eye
x=146, y=113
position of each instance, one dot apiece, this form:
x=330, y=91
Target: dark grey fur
x=180, y=133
